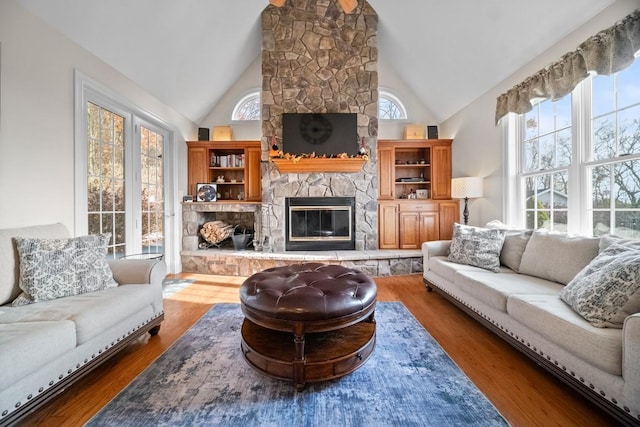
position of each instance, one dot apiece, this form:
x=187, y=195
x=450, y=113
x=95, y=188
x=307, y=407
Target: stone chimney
x=317, y=59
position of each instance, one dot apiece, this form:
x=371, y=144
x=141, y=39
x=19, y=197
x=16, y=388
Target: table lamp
x=466, y=188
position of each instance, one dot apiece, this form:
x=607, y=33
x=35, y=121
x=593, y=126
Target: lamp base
x=465, y=212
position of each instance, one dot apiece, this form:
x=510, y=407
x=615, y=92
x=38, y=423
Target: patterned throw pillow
x=476, y=246
x=607, y=290
x=55, y=268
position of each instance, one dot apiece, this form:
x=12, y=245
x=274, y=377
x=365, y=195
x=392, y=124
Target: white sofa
x=47, y=345
x=528, y=312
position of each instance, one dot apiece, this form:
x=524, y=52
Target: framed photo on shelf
x=422, y=193
x=206, y=192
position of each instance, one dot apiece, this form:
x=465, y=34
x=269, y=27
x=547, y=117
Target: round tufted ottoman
x=333, y=304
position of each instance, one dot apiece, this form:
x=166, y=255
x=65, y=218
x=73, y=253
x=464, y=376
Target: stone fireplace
x=319, y=223
x=317, y=59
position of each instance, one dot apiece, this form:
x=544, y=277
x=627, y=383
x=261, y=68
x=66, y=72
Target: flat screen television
x=320, y=133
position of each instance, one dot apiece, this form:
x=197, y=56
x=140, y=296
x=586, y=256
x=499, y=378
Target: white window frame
x=241, y=102
x=385, y=93
x=89, y=90
x=579, y=216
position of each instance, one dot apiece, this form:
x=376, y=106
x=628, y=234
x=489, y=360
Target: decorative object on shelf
x=414, y=132
x=363, y=147
x=466, y=188
x=207, y=192
x=348, y=6
x=220, y=179
x=274, y=151
x=222, y=133
x=432, y=132
x=187, y=199
x=422, y=193
x=203, y=134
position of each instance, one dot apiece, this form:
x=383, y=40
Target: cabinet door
x=253, y=179
x=449, y=214
x=409, y=230
x=429, y=227
x=441, y=172
x=198, y=167
x=386, y=176
x=388, y=225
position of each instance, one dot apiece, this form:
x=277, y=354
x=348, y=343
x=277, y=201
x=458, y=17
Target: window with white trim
x=579, y=159
x=390, y=107
x=248, y=108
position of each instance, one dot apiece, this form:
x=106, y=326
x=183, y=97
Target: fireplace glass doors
x=320, y=223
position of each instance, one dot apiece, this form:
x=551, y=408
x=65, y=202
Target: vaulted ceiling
x=188, y=53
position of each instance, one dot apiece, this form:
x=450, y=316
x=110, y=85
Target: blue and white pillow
x=56, y=268
x=607, y=290
x=476, y=246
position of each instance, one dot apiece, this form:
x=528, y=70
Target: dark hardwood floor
x=524, y=393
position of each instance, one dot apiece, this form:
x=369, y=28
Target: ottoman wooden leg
x=299, y=361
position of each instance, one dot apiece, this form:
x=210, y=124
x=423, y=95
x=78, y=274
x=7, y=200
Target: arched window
x=390, y=107
x=248, y=108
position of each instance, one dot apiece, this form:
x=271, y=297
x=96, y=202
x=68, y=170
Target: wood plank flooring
x=524, y=394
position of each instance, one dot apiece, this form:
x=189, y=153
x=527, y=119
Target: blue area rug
x=202, y=380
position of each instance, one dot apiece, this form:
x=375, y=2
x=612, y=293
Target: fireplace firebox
x=320, y=223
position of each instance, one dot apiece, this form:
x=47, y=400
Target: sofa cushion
x=557, y=256
x=55, y=268
x=515, y=242
x=9, y=265
x=554, y=320
x=607, y=290
x=476, y=246
x=27, y=346
x=447, y=269
x=92, y=313
x=495, y=289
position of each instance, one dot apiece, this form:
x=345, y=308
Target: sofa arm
x=435, y=248
x=631, y=355
x=138, y=271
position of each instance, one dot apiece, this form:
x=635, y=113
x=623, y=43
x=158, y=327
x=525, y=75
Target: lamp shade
x=470, y=187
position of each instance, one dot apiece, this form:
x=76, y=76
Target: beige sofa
x=45, y=346
x=523, y=305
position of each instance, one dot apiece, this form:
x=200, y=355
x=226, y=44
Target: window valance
x=605, y=53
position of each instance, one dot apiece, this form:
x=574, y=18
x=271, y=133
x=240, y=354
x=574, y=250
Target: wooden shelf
x=319, y=165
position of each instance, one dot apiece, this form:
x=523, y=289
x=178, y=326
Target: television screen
x=320, y=133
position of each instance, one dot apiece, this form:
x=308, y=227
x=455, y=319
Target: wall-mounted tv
x=320, y=133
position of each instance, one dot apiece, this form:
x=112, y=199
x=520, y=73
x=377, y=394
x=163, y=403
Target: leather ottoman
x=308, y=322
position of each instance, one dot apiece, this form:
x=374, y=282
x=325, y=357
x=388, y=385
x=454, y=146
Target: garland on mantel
x=275, y=153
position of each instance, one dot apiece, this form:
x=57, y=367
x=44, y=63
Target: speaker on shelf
x=432, y=132
x=203, y=134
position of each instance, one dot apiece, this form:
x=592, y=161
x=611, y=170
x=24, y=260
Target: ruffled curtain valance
x=607, y=52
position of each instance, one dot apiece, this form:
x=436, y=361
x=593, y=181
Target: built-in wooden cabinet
x=233, y=165
x=414, y=193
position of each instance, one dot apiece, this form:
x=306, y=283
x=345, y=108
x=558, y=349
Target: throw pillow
x=476, y=246
x=557, y=256
x=55, y=268
x=608, y=239
x=515, y=242
x=607, y=290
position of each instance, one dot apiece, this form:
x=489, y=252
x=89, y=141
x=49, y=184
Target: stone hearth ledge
x=245, y=263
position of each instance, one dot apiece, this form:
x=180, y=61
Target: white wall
x=37, y=124
x=251, y=80
x=477, y=147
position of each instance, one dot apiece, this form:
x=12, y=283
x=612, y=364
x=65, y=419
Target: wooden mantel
x=304, y=165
